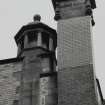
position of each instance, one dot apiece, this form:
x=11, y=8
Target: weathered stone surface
x=76, y=78
x=32, y=67
x=9, y=82
x=48, y=90
x=74, y=42
x=76, y=86
x=71, y=8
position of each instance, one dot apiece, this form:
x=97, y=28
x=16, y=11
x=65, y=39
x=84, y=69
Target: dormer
x=36, y=35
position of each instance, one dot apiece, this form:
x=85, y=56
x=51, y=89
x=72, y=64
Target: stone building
x=77, y=83
x=9, y=84
x=32, y=79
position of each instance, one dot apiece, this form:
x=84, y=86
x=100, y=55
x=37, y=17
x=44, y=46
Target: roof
x=35, y=25
x=10, y=60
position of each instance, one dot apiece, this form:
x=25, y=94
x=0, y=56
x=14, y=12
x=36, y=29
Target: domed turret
x=36, y=35
x=37, y=43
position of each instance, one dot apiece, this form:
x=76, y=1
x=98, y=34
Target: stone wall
x=9, y=83
x=74, y=42
x=76, y=77
x=76, y=86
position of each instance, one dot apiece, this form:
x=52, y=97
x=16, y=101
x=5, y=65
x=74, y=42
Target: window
x=45, y=39
x=16, y=102
x=32, y=36
x=21, y=43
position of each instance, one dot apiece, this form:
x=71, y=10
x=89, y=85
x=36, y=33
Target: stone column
x=50, y=44
x=48, y=83
x=19, y=49
x=25, y=41
x=39, y=41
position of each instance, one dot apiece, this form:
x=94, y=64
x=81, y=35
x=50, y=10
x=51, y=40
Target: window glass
x=32, y=36
x=45, y=39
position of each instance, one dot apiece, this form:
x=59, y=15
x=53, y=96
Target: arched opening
x=45, y=40
x=32, y=39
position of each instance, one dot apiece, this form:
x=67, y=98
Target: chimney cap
x=37, y=17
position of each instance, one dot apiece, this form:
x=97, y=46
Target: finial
x=37, y=17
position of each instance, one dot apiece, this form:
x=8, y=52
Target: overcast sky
x=15, y=13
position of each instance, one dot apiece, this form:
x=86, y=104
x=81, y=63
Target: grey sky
x=15, y=13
